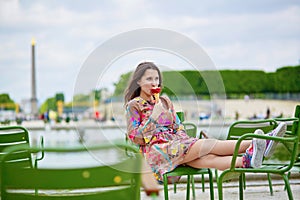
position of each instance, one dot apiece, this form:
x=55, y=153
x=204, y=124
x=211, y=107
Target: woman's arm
x=177, y=124
x=138, y=127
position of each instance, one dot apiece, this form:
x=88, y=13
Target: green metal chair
x=239, y=128
x=191, y=130
x=104, y=180
x=18, y=135
x=290, y=126
x=277, y=167
x=13, y=136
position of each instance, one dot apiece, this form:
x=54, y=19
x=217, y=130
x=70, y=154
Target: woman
x=154, y=126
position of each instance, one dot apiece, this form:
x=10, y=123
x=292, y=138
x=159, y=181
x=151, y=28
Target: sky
x=258, y=35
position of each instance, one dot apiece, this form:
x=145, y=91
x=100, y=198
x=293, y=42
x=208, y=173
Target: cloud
x=239, y=35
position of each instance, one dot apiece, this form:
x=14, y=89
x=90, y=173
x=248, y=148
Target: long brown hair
x=133, y=89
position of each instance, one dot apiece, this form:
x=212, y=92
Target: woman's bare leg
x=212, y=146
x=215, y=161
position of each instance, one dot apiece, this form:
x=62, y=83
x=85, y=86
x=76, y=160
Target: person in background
x=268, y=113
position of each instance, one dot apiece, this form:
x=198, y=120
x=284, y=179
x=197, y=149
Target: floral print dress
x=165, y=141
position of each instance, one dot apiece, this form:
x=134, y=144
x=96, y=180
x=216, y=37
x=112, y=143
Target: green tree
x=287, y=79
x=81, y=98
x=6, y=102
x=97, y=95
x=49, y=104
x=60, y=97
x=121, y=85
x=236, y=83
x=244, y=81
x=176, y=83
x=5, y=98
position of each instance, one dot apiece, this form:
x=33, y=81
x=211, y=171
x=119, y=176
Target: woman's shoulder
x=133, y=101
x=136, y=101
x=166, y=98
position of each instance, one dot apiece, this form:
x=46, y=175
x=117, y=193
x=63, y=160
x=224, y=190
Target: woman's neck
x=146, y=97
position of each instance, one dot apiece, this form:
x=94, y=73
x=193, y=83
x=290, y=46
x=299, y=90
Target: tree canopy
x=235, y=82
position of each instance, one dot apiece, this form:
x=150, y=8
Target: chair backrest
x=296, y=129
x=190, y=128
x=292, y=128
x=289, y=122
x=15, y=136
x=180, y=115
x=120, y=180
x=293, y=147
x=240, y=128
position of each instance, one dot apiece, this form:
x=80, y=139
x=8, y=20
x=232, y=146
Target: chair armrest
x=203, y=135
x=286, y=119
x=42, y=152
x=253, y=122
x=293, y=139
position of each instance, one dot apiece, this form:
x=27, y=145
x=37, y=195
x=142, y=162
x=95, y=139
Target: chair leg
x=288, y=175
x=202, y=183
x=216, y=174
x=166, y=187
x=188, y=187
x=193, y=186
x=270, y=184
x=220, y=187
x=288, y=187
x=244, y=180
x=211, y=184
x=241, y=183
x=175, y=187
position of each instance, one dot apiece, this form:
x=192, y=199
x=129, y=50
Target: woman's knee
x=207, y=147
x=201, y=148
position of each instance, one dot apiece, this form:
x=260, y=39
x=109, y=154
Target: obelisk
x=33, y=100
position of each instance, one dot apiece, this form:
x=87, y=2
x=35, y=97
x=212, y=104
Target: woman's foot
x=271, y=144
x=253, y=156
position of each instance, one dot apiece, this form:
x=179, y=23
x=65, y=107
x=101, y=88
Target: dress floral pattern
x=165, y=140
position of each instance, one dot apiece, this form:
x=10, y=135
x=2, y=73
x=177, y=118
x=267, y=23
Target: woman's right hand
x=157, y=110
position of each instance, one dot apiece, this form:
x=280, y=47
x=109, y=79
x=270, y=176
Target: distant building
x=26, y=106
x=7, y=115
